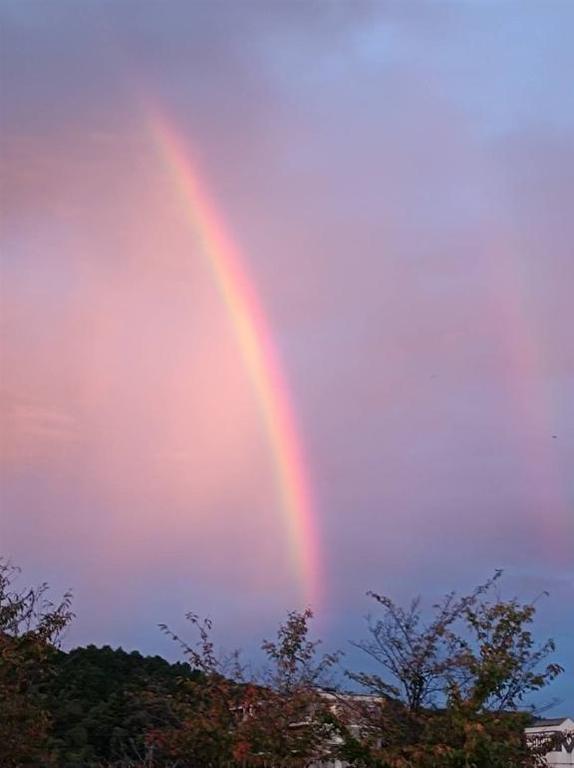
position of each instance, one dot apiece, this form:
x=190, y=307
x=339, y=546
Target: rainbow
x=260, y=357
x=531, y=403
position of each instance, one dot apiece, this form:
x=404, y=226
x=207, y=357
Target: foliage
x=288, y=719
x=417, y=658
x=501, y=662
x=200, y=729
x=448, y=692
x=104, y=702
x=275, y=718
x=30, y=629
x=450, y=689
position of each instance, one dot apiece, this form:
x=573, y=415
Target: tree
x=450, y=690
x=199, y=730
x=30, y=629
x=226, y=718
x=103, y=701
x=287, y=717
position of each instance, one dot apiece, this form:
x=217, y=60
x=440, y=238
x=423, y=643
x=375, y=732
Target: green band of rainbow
x=258, y=352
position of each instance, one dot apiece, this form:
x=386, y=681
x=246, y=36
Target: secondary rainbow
x=259, y=354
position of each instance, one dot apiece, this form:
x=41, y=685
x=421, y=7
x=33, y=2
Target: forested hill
x=102, y=701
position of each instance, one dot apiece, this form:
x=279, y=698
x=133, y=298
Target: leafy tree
x=449, y=690
x=30, y=629
x=501, y=663
x=226, y=718
x=416, y=657
x=287, y=722
x=199, y=730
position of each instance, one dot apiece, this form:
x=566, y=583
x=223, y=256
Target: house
x=558, y=735
x=555, y=737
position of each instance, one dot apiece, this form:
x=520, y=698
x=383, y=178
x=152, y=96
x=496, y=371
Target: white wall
x=564, y=757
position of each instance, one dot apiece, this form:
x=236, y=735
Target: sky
x=395, y=180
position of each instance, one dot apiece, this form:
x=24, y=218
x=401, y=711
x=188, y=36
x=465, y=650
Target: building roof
x=551, y=722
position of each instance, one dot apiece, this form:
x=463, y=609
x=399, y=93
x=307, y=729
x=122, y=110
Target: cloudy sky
x=398, y=177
